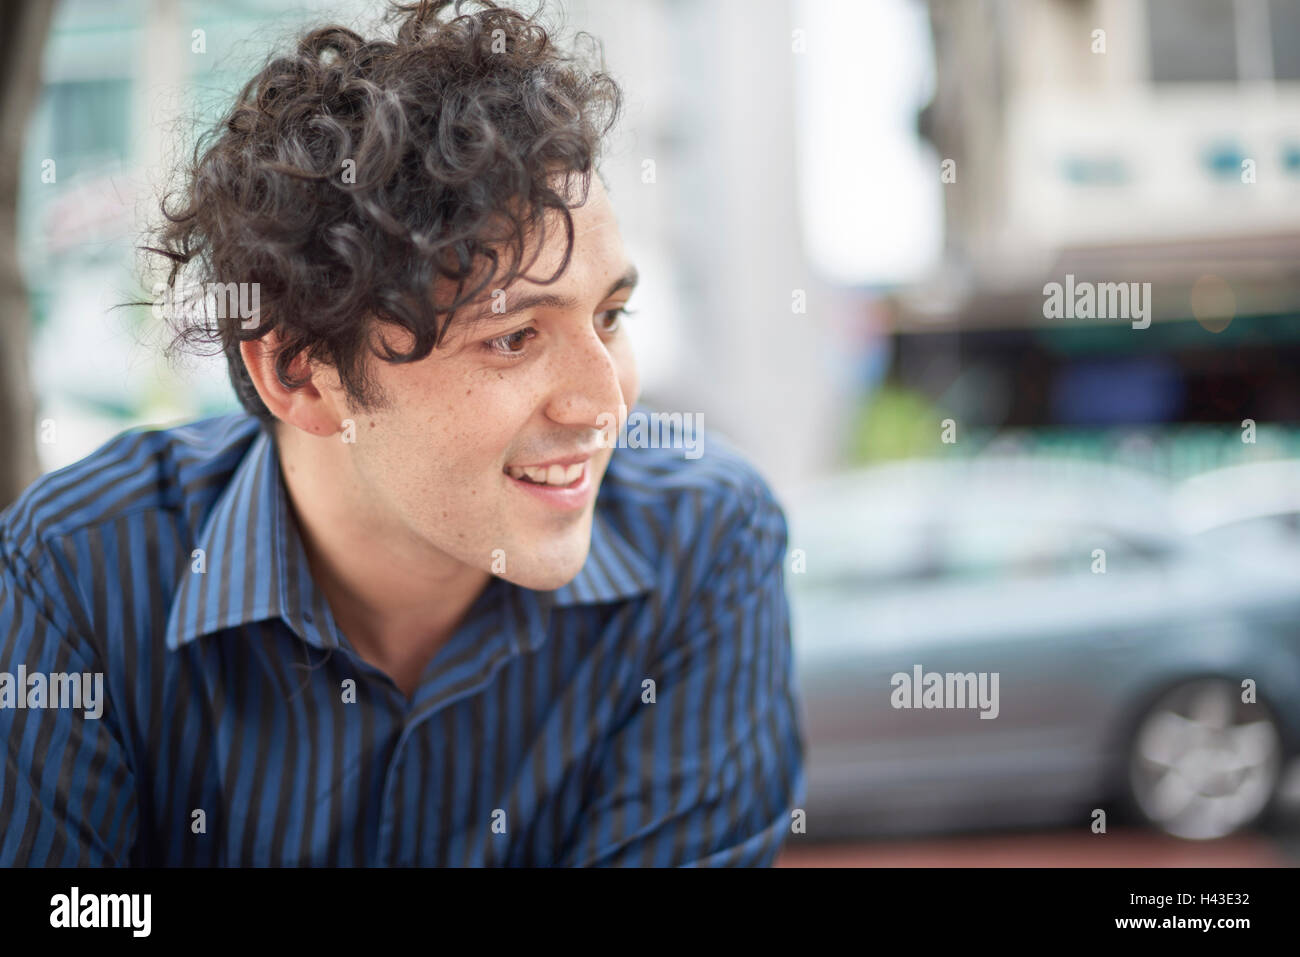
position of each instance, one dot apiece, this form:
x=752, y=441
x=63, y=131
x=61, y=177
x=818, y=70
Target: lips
x=570, y=497
x=555, y=474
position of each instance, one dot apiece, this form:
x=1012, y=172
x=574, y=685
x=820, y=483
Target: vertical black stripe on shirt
x=312, y=708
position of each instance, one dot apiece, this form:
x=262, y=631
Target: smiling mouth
x=554, y=476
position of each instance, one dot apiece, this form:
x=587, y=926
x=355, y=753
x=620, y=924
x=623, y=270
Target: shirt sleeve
x=709, y=773
x=67, y=792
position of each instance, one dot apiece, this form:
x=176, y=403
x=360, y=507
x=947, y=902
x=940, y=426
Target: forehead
x=597, y=255
x=597, y=247
x=597, y=244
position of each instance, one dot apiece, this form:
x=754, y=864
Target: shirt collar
x=249, y=565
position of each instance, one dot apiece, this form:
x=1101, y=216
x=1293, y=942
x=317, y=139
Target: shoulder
x=182, y=468
x=685, y=494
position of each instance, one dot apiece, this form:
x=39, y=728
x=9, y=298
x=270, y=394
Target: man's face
x=524, y=388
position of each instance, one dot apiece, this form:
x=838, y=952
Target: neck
x=396, y=597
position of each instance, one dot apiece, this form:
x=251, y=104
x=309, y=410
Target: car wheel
x=1203, y=762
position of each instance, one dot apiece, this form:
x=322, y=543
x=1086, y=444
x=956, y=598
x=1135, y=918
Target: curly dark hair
x=456, y=130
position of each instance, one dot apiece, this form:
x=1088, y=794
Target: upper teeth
x=550, y=475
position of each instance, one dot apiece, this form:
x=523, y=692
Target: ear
x=314, y=407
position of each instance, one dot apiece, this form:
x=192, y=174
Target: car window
x=1030, y=549
x=1255, y=532
x=865, y=555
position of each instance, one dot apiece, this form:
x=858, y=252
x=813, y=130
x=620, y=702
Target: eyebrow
x=549, y=300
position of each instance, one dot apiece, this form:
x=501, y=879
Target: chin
x=549, y=573
x=545, y=579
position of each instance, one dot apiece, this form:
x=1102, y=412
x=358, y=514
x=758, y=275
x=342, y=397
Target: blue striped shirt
x=643, y=714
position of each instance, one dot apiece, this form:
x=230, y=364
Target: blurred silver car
x=1135, y=668
x=1252, y=510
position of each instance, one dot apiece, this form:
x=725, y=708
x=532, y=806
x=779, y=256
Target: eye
x=505, y=346
x=612, y=319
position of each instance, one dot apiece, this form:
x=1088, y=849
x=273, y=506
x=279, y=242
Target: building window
x=1223, y=41
x=1284, y=34
x=1192, y=41
x=88, y=120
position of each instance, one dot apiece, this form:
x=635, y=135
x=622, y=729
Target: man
x=411, y=607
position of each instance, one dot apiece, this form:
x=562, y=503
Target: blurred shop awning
x=1212, y=280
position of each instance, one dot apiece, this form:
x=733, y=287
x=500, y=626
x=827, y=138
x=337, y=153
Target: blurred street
x=1117, y=848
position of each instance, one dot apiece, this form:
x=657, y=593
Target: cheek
x=498, y=410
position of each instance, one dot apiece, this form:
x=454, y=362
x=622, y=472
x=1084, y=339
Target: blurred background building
x=1147, y=141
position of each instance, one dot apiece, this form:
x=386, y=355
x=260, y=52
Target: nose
x=587, y=382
